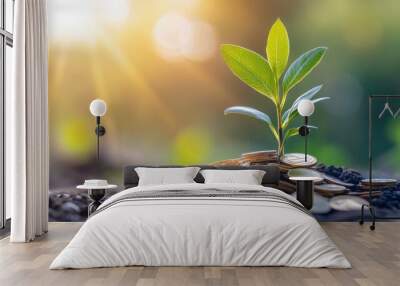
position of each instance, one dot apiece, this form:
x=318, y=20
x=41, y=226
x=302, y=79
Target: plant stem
x=280, y=133
x=279, y=108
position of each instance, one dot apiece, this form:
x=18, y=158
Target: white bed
x=207, y=230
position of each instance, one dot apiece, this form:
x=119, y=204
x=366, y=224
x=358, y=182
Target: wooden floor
x=375, y=257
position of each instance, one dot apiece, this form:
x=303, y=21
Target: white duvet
x=200, y=231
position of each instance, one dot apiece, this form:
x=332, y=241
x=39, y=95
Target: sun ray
x=138, y=80
x=218, y=88
x=57, y=66
x=98, y=77
x=57, y=63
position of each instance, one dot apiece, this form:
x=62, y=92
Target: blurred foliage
x=74, y=139
x=192, y=146
x=393, y=153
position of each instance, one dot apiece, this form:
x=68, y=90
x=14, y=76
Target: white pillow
x=163, y=176
x=248, y=177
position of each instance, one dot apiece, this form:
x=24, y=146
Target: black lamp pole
x=305, y=138
x=304, y=131
x=100, y=131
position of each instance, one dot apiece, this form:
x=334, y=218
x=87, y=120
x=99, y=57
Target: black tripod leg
x=372, y=211
x=362, y=214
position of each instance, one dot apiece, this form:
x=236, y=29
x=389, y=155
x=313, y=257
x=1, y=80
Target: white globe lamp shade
x=306, y=107
x=98, y=107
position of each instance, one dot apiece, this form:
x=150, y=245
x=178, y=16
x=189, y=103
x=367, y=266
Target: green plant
x=264, y=76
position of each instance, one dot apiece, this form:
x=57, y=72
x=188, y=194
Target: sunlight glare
x=185, y=3
x=177, y=37
x=82, y=21
x=114, y=12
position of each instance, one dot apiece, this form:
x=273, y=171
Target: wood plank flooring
x=375, y=257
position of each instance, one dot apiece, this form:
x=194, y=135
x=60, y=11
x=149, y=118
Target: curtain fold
x=27, y=158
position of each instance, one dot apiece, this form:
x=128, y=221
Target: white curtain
x=27, y=159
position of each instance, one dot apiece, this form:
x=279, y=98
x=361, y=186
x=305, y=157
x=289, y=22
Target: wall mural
x=167, y=81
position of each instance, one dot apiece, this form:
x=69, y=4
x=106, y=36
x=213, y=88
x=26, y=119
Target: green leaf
x=309, y=94
x=254, y=113
x=295, y=113
x=278, y=48
x=292, y=132
x=248, y=111
x=251, y=68
x=301, y=67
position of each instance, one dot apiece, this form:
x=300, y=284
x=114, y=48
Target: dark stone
x=70, y=207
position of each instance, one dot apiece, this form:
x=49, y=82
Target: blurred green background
x=157, y=65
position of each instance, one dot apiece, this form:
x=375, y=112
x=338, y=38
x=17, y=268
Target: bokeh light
x=178, y=37
x=200, y=43
x=169, y=33
x=75, y=141
x=192, y=146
